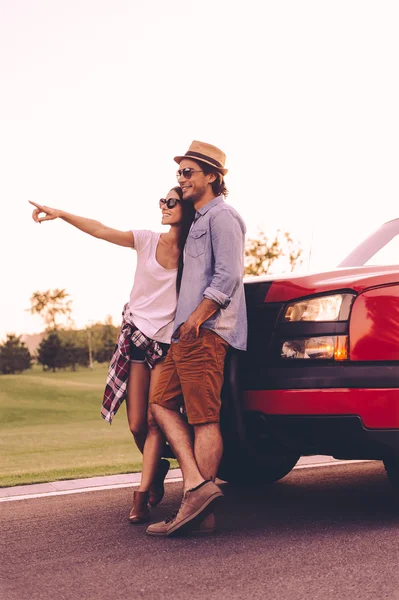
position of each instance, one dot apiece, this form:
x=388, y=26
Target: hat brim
x=178, y=160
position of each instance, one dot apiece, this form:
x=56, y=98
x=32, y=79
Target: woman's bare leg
x=137, y=402
x=155, y=440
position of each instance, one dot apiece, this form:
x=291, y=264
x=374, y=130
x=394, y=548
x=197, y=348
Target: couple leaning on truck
x=186, y=308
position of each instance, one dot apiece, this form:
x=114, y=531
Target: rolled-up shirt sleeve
x=228, y=248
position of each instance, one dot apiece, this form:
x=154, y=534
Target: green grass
x=51, y=428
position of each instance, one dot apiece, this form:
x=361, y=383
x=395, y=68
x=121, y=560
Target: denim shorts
x=137, y=355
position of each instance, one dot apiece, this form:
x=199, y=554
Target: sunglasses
x=170, y=202
x=187, y=172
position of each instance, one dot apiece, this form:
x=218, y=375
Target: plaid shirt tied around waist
x=118, y=372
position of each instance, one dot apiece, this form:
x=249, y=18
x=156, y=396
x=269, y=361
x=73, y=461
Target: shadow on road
x=310, y=499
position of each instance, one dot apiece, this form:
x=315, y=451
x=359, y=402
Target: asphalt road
x=328, y=533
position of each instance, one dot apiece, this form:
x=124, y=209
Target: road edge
x=111, y=482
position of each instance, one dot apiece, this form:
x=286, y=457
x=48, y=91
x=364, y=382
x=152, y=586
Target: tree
x=50, y=305
x=99, y=337
x=105, y=353
x=105, y=336
x=71, y=355
x=14, y=355
x=49, y=351
x=54, y=352
x=261, y=253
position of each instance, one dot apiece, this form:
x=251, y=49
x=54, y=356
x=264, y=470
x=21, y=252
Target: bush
x=49, y=352
x=105, y=353
x=14, y=356
x=55, y=353
x=71, y=347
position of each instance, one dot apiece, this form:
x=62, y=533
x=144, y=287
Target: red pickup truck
x=321, y=373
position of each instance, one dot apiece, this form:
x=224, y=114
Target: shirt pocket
x=196, y=243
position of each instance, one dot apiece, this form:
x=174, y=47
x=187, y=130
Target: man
x=210, y=317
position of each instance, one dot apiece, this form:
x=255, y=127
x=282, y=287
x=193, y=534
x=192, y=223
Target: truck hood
x=288, y=286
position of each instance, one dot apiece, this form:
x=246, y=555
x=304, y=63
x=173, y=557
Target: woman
x=145, y=333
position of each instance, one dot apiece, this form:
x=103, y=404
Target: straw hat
x=206, y=153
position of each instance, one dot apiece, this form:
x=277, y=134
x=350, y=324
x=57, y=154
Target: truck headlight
x=322, y=308
x=326, y=347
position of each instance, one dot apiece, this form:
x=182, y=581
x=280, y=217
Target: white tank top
x=153, y=297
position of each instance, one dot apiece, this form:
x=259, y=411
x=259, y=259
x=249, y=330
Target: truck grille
x=262, y=319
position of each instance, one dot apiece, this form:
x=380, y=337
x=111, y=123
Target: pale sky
x=97, y=96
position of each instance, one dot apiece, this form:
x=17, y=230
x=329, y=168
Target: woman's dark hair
x=188, y=212
x=218, y=186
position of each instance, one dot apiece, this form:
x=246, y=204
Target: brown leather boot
x=140, y=512
x=157, y=489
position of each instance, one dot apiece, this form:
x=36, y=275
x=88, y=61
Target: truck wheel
x=252, y=457
x=391, y=465
x=256, y=467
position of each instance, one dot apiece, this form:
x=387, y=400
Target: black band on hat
x=204, y=157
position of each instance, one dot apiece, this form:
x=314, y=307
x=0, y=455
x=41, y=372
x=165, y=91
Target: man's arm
x=205, y=309
x=228, y=249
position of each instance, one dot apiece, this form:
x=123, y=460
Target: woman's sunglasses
x=170, y=202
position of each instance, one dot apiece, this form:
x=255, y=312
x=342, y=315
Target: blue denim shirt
x=214, y=269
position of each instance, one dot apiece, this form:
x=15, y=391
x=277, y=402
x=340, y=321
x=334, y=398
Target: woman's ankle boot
x=140, y=512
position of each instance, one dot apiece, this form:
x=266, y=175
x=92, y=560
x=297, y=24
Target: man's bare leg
x=177, y=433
x=208, y=449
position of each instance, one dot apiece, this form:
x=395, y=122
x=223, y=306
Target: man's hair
x=218, y=186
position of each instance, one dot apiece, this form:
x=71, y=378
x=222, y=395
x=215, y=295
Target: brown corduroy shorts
x=192, y=376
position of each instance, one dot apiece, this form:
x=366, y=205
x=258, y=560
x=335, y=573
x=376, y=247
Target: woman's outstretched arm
x=94, y=228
